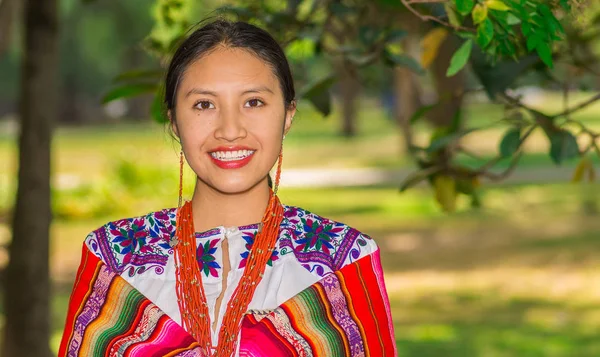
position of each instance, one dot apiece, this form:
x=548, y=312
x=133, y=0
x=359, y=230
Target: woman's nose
x=230, y=125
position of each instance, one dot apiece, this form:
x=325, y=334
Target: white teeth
x=231, y=155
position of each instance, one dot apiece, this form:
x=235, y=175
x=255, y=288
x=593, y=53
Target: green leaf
x=533, y=41
x=456, y=122
x=479, y=14
x=497, y=78
x=498, y=5
x=300, y=49
x=465, y=35
x=566, y=4
x=419, y=113
x=512, y=20
x=362, y=59
x=460, y=58
x=485, y=33
x=394, y=59
x=416, y=177
x=443, y=141
x=510, y=142
x=550, y=20
x=158, y=110
x=545, y=53
x=526, y=28
x=464, y=7
x=563, y=146
x=130, y=90
x=318, y=94
x=453, y=17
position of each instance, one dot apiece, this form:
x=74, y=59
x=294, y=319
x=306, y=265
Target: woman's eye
x=254, y=103
x=204, y=104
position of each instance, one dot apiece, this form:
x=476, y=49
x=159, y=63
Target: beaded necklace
x=190, y=291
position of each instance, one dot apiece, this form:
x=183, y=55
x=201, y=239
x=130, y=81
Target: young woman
x=233, y=271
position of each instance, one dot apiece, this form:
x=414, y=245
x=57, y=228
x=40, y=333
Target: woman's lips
x=232, y=164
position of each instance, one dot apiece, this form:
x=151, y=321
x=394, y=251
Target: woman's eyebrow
x=214, y=94
x=258, y=90
x=200, y=91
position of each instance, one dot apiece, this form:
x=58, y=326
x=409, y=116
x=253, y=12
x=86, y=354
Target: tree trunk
x=407, y=88
x=349, y=89
x=8, y=11
x=27, y=288
x=407, y=91
x=450, y=90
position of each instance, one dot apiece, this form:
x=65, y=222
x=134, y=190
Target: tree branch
x=483, y=170
x=578, y=107
x=408, y=4
x=504, y=174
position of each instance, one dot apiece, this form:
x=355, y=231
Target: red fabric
x=86, y=273
x=254, y=337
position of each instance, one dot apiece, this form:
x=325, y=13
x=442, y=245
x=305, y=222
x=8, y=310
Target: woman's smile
x=231, y=157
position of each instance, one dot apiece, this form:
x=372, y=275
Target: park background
x=480, y=259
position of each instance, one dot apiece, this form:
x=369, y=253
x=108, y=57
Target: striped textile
x=108, y=317
x=345, y=314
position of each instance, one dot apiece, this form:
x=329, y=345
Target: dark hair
x=234, y=35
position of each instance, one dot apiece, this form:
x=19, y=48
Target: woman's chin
x=235, y=186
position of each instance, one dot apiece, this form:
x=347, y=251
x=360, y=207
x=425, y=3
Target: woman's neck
x=212, y=208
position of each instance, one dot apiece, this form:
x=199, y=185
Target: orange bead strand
x=190, y=290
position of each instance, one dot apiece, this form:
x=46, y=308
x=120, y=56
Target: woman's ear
x=289, y=117
x=173, y=123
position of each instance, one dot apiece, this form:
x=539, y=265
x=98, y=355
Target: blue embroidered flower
x=128, y=240
x=317, y=236
x=249, y=238
x=205, y=254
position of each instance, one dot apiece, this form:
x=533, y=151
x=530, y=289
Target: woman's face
x=231, y=118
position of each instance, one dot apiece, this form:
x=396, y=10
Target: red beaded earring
x=180, y=178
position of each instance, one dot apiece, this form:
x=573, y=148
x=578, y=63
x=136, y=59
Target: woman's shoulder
x=136, y=243
x=322, y=244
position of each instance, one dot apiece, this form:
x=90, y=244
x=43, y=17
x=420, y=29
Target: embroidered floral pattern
x=205, y=254
x=319, y=244
x=135, y=244
x=249, y=238
x=317, y=237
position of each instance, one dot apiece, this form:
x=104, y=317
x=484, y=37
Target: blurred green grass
x=517, y=278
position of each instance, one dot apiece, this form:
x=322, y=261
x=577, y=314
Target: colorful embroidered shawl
x=345, y=313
